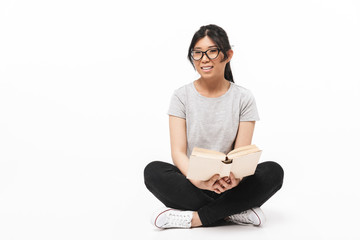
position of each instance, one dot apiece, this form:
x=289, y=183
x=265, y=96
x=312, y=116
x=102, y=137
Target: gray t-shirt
x=212, y=123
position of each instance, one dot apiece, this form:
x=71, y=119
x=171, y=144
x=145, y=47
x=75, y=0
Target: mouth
x=207, y=68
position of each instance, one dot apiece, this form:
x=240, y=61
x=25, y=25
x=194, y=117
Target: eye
x=213, y=50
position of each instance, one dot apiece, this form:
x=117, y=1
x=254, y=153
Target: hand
x=210, y=184
x=218, y=185
x=227, y=183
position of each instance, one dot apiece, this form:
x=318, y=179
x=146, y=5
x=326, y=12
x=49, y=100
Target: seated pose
x=213, y=113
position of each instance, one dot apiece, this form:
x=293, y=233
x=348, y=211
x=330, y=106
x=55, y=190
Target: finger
x=223, y=184
x=232, y=178
x=234, y=181
x=213, y=179
x=218, y=188
x=227, y=180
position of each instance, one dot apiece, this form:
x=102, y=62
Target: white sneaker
x=172, y=218
x=254, y=216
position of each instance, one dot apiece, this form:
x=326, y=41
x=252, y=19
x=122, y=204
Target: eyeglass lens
x=210, y=53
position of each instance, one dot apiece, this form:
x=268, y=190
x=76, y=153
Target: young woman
x=214, y=113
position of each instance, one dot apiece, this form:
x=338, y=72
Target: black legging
x=173, y=189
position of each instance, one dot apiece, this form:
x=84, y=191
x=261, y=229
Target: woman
x=213, y=113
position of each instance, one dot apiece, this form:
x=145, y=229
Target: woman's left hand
x=227, y=183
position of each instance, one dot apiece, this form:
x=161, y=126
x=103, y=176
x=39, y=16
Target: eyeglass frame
x=202, y=54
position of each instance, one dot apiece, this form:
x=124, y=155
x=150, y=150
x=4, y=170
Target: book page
x=203, y=168
x=243, y=148
x=206, y=153
x=245, y=165
x=243, y=152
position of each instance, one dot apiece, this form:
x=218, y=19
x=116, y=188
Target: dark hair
x=219, y=36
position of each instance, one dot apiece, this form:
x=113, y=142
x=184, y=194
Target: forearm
x=181, y=161
x=245, y=134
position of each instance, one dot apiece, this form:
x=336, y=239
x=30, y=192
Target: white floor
x=94, y=199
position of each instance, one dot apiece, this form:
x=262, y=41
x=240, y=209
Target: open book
x=206, y=163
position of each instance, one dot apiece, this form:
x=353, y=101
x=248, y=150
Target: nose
x=205, y=58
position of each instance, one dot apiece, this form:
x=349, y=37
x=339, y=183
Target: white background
x=84, y=91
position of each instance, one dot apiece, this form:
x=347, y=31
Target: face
x=206, y=67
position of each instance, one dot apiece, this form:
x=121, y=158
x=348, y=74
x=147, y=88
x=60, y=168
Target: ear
x=230, y=54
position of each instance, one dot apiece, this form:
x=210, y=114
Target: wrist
x=196, y=183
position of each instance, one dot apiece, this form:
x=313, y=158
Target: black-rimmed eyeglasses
x=210, y=54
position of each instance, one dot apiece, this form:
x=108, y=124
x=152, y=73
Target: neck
x=212, y=87
x=212, y=84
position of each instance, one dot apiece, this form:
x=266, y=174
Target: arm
x=178, y=144
x=245, y=134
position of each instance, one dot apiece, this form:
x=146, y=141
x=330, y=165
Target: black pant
x=173, y=189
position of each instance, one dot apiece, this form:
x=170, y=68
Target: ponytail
x=228, y=74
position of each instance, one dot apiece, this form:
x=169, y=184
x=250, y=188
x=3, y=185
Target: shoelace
x=178, y=219
x=242, y=217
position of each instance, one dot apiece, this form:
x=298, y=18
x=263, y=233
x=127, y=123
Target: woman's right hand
x=211, y=184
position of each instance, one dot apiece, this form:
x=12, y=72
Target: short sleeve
x=177, y=106
x=248, y=109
